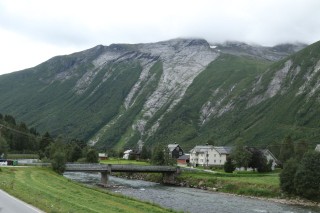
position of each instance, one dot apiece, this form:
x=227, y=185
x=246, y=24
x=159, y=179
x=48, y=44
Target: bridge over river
x=169, y=172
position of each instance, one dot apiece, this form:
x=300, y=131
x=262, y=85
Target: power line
x=17, y=131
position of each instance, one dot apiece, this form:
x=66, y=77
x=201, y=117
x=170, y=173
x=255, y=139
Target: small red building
x=184, y=159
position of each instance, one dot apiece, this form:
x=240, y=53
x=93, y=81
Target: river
x=189, y=199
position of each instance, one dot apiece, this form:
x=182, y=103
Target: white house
x=126, y=154
x=209, y=155
x=269, y=156
x=318, y=148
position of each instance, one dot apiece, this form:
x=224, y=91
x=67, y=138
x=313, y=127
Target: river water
x=189, y=199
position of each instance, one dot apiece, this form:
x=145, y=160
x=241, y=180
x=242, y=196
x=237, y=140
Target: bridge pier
x=169, y=177
x=104, y=175
x=104, y=178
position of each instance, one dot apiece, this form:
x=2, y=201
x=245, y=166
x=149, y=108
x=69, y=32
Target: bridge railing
x=118, y=168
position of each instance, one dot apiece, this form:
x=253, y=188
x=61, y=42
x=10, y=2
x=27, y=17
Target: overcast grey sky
x=32, y=31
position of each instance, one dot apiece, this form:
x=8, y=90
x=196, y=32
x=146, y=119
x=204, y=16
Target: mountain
x=275, y=53
x=182, y=90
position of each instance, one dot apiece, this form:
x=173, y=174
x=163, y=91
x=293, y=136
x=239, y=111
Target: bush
x=307, y=177
x=229, y=167
x=92, y=156
x=287, y=176
x=58, y=162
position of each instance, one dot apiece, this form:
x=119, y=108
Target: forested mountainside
x=181, y=90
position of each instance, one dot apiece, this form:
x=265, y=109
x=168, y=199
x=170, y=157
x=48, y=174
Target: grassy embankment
x=242, y=183
x=50, y=192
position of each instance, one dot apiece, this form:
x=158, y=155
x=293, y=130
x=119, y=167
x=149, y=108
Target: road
x=10, y=204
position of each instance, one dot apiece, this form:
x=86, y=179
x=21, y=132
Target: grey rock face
x=275, y=53
x=182, y=59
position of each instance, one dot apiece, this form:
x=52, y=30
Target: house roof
x=223, y=149
x=267, y=151
x=103, y=155
x=184, y=157
x=219, y=149
x=201, y=148
x=171, y=147
x=127, y=151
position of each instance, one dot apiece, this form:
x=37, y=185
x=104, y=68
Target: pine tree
x=287, y=176
x=229, y=166
x=300, y=149
x=286, y=150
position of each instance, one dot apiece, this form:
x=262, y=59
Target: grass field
x=246, y=183
x=53, y=193
x=23, y=156
x=123, y=161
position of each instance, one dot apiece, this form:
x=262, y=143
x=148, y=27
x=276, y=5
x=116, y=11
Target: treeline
x=301, y=170
x=19, y=139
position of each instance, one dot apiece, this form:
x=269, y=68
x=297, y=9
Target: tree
x=158, y=155
x=58, y=162
x=300, y=149
x=229, y=166
x=287, y=176
x=92, y=156
x=307, y=177
x=168, y=159
x=145, y=153
x=45, y=145
x=75, y=153
x=3, y=147
x=259, y=161
x=286, y=149
x=240, y=155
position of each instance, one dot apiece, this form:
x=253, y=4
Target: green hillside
x=119, y=95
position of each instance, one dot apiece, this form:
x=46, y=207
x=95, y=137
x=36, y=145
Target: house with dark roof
x=209, y=155
x=175, y=151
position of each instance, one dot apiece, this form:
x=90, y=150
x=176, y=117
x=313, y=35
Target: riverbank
x=46, y=190
x=251, y=185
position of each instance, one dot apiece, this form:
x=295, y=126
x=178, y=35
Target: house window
x=214, y=161
x=214, y=155
x=180, y=153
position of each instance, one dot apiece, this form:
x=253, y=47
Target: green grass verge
x=251, y=184
x=50, y=192
x=23, y=156
x=123, y=161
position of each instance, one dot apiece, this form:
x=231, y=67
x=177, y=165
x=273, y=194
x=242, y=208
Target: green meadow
x=50, y=192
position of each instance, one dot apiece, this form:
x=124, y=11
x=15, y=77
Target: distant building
x=267, y=154
x=270, y=156
x=209, y=155
x=126, y=154
x=318, y=148
x=175, y=151
x=103, y=156
x=184, y=159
